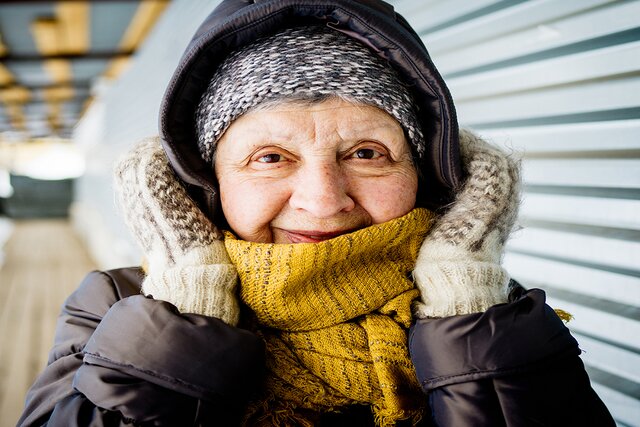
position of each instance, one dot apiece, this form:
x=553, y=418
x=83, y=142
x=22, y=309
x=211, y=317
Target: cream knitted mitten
x=458, y=268
x=188, y=265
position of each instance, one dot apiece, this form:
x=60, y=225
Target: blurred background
x=557, y=81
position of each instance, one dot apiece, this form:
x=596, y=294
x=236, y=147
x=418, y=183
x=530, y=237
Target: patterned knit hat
x=306, y=63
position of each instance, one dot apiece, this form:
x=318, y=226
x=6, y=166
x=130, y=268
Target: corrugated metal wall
x=559, y=82
x=556, y=79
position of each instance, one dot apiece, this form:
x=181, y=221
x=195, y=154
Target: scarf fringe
x=564, y=315
x=385, y=418
x=269, y=413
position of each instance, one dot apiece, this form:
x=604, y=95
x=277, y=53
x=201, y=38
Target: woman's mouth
x=312, y=236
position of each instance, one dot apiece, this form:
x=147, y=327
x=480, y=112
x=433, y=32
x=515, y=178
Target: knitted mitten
x=188, y=265
x=458, y=268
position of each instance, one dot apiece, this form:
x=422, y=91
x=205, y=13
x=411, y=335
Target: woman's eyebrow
x=371, y=129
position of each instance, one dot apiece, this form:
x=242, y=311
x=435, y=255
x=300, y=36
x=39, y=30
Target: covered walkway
x=43, y=263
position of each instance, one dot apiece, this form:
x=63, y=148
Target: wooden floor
x=44, y=262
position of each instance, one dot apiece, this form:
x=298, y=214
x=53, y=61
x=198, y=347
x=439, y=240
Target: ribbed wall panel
x=558, y=84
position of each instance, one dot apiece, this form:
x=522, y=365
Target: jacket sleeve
x=131, y=360
x=514, y=365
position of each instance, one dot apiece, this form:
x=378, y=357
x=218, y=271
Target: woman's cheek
x=250, y=205
x=388, y=197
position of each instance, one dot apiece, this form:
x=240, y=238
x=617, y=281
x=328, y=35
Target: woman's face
x=297, y=173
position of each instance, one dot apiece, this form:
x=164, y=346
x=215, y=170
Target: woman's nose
x=321, y=191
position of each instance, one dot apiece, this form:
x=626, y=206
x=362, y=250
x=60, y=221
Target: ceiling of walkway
x=53, y=53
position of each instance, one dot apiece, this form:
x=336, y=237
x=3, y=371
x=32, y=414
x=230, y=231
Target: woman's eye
x=270, y=158
x=367, y=154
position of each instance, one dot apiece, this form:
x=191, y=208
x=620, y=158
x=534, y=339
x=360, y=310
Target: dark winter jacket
x=120, y=358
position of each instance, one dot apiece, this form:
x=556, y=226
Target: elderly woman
x=323, y=248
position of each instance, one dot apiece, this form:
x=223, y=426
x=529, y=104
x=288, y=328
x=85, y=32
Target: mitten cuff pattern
x=209, y=290
x=454, y=288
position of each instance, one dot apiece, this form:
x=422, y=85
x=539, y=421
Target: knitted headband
x=302, y=63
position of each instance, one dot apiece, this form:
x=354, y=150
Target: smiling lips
x=311, y=236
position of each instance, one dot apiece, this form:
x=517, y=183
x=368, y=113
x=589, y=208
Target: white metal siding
x=558, y=82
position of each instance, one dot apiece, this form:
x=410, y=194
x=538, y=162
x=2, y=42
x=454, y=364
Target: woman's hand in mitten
x=188, y=265
x=458, y=269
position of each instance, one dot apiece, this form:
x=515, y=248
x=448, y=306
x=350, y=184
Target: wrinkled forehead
x=351, y=118
x=321, y=121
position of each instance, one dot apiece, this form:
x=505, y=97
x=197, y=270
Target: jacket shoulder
x=88, y=304
x=99, y=290
x=509, y=365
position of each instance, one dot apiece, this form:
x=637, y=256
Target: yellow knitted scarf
x=334, y=316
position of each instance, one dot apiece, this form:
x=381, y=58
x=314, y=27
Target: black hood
x=236, y=23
